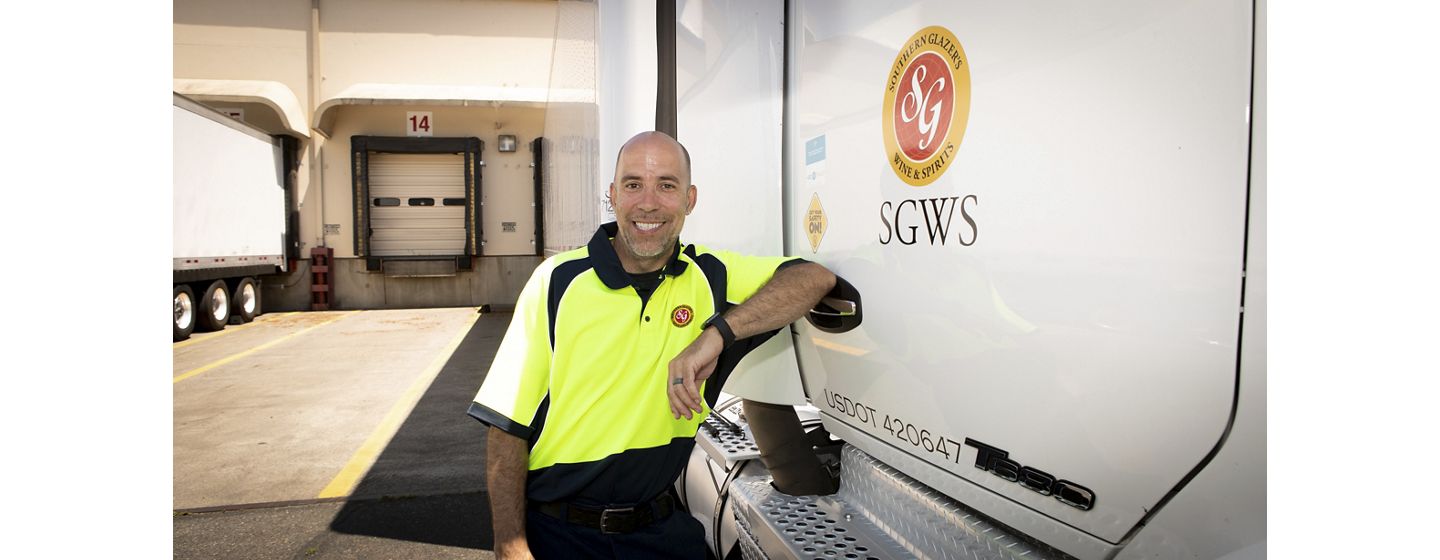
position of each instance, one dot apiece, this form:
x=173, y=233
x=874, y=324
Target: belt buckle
x=605, y=519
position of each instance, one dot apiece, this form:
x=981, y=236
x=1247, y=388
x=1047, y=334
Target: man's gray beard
x=663, y=247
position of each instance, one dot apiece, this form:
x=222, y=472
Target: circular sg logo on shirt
x=927, y=104
x=682, y=315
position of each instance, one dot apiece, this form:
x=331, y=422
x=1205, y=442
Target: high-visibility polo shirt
x=583, y=371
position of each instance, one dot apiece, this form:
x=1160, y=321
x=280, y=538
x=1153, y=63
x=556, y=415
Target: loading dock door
x=417, y=204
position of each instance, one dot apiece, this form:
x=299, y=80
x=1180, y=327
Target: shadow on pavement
x=458, y=520
x=428, y=485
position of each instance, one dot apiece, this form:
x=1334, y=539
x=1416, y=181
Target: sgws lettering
x=938, y=215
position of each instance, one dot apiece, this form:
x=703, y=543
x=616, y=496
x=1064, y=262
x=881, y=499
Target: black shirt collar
x=607, y=263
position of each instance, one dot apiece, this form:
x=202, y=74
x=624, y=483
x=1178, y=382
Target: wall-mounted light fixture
x=507, y=142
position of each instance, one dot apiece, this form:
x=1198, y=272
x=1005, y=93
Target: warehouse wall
x=507, y=180
x=256, y=40
x=494, y=43
x=497, y=44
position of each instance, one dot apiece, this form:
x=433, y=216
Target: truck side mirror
x=839, y=311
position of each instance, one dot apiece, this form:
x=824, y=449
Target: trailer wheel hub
x=184, y=310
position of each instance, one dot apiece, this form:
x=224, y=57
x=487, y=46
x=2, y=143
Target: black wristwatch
x=726, y=335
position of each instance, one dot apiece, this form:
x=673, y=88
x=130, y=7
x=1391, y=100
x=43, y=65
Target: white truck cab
x=1052, y=216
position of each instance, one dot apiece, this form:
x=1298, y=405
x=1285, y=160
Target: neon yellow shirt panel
x=746, y=273
x=611, y=368
x=519, y=377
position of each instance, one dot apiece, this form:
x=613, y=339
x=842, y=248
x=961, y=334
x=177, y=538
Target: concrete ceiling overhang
x=416, y=94
x=272, y=94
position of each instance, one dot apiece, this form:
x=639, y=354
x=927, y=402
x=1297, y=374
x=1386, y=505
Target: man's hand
x=786, y=297
x=690, y=367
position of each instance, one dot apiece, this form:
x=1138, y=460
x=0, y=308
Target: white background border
x=1354, y=151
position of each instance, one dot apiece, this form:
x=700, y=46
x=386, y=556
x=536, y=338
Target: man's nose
x=649, y=200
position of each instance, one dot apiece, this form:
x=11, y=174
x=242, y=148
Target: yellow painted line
x=211, y=336
x=229, y=329
x=233, y=357
x=836, y=346
x=350, y=474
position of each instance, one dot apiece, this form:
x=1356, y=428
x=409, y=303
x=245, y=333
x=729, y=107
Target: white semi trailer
x=230, y=216
x=1051, y=220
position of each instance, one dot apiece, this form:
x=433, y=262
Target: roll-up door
x=417, y=204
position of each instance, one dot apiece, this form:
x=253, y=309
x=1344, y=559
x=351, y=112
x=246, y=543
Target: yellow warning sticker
x=815, y=223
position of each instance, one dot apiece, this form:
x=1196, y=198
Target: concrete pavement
x=339, y=434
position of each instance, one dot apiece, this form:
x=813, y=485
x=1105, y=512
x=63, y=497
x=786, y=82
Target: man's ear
x=612, y=192
x=690, y=206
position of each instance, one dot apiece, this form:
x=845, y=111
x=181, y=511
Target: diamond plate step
x=727, y=443
x=878, y=513
x=777, y=525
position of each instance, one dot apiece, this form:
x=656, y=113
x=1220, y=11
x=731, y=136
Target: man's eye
x=668, y=187
x=632, y=186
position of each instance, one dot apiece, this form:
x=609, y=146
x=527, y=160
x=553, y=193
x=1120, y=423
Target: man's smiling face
x=652, y=195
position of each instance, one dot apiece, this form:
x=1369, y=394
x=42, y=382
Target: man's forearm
x=506, y=459
x=792, y=292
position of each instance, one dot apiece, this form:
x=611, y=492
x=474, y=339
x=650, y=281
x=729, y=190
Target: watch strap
x=726, y=334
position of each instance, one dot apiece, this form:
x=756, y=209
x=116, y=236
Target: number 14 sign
x=417, y=123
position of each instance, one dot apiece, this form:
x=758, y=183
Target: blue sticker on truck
x=814, y=149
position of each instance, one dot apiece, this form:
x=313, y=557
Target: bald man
x=614, y=356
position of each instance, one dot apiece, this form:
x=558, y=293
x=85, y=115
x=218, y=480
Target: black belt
x=610, y=520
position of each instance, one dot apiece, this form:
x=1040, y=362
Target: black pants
x=679, y=536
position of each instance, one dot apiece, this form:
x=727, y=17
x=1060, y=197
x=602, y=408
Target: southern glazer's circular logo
x=682, y=315
x=927, y=104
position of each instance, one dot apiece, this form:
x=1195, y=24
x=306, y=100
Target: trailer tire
x=185, y=312
x=245, y=300
x=214, y=307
